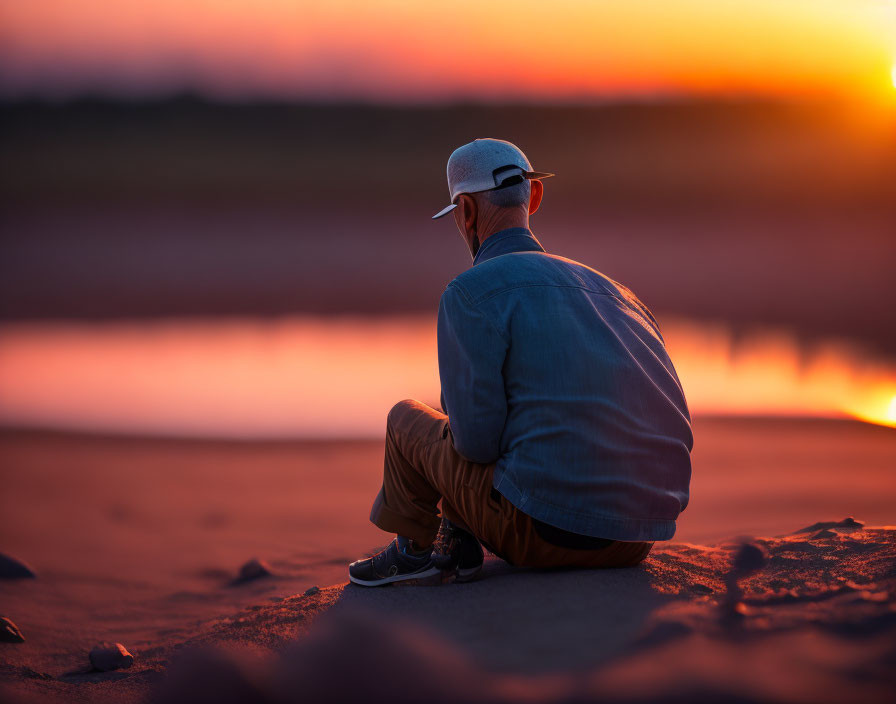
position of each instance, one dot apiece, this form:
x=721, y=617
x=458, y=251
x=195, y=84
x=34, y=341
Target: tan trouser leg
x=421, y=467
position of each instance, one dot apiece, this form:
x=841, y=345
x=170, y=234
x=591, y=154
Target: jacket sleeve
x=471, y=359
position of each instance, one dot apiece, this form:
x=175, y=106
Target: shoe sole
x=431, y=572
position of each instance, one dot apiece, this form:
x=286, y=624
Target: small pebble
x=110, y=656
x=749, y=558
x=253, y=569
x=11, y=568
x=9, y=632
x=312, y=590
x=850, y=522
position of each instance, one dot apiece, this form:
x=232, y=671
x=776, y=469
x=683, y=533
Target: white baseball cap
x=486, y=165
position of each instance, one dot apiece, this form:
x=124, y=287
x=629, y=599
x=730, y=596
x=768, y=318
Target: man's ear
x=468, y=212
x=535, y=196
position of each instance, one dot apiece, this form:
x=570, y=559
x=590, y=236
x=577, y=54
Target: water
x=315, y=377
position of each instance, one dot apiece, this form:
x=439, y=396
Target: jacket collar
x=513, y=239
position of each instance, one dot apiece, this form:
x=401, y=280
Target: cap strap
x=503, y=178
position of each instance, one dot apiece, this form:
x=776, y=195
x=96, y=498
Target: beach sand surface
x=139, y=540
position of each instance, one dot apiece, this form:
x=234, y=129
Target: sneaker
x=394, y=564
x=458, y=551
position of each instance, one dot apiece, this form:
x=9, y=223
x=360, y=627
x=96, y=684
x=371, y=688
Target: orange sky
x=410, y=50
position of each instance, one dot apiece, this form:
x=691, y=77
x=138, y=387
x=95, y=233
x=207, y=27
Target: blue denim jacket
x=560, y=376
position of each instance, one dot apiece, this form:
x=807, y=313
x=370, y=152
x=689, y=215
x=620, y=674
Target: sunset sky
x=406, y=51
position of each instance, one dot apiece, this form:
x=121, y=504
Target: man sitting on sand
x=567, y=437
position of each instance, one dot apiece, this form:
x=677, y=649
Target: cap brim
x=444, y=211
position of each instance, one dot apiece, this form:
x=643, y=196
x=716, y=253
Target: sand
x=138, y=541
x=816, y=625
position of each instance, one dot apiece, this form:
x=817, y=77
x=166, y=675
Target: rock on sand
x=9, y=632
x=110, y=656
x=11, y=568
x=253, y=569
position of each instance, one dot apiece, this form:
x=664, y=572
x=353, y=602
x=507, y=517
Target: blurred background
x=218, y=263
x=216, y=218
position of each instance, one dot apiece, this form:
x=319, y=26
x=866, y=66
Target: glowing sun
x=891, y=411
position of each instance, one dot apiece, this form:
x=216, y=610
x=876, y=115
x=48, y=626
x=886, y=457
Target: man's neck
x=512, y=239
x=501, y=225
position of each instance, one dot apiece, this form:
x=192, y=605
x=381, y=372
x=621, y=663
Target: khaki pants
x=422, y=467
